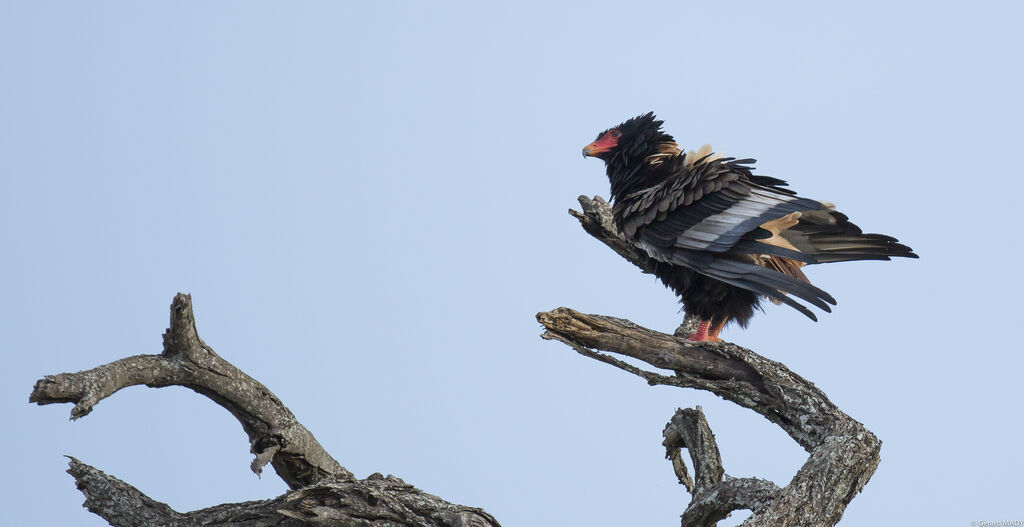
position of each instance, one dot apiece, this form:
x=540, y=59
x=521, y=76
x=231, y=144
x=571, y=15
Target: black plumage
x=724, y=237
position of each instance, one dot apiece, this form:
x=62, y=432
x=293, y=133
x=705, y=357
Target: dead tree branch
x=843, y=454
x=323, y=492
x=375, y=501
x=714, y=496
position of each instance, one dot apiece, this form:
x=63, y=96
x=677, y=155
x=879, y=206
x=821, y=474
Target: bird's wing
x=827, y=235
x=773, y=284
x=713, y=205
x=713, y=216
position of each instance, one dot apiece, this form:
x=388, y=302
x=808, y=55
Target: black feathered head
x=636, y=138
x=624, y=149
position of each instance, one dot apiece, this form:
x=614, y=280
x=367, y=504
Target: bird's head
x=636, y=138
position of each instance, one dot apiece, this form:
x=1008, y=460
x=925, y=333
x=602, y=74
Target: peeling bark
x=843, y=453
x=323, y=493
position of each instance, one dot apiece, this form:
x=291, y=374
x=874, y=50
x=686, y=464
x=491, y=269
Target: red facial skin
x=606, y=143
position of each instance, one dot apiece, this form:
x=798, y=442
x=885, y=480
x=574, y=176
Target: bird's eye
x=616, y=133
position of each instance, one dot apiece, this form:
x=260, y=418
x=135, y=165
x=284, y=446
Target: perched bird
x=722, y=236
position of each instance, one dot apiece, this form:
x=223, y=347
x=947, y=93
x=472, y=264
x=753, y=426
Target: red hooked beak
x=602, y=145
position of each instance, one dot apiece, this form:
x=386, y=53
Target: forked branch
x=275, y=436
x=714, y=494
x=323, y=492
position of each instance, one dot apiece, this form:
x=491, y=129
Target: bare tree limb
x=727, y=370
x=689, y=429
x=377, y=501
x=843, y=454
x=729, y=495
x=596, y=219
x=116, y=501
x=274, y=434
x=715, y=495
x=324, y=493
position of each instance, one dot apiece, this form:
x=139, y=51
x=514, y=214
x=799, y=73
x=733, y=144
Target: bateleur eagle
x=723, y=237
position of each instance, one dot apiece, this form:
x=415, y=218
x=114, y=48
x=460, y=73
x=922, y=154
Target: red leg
x=715, y=330
x=702, y=331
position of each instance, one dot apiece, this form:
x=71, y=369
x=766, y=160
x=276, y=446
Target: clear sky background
x=367, y=202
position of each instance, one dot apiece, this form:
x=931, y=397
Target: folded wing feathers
x=832, y=237
x=722, y=230
x=761, y=280
x=715, y=204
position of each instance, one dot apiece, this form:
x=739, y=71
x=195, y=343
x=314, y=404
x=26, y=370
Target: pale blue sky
x=368, y=204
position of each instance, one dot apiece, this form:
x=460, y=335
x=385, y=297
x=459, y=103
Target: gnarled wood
x=714, y=495
x=274, y=434
x=323, y=492
x=377, y=501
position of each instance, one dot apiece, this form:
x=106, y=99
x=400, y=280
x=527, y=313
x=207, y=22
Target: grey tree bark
x=323, y=492
x=843, y=453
